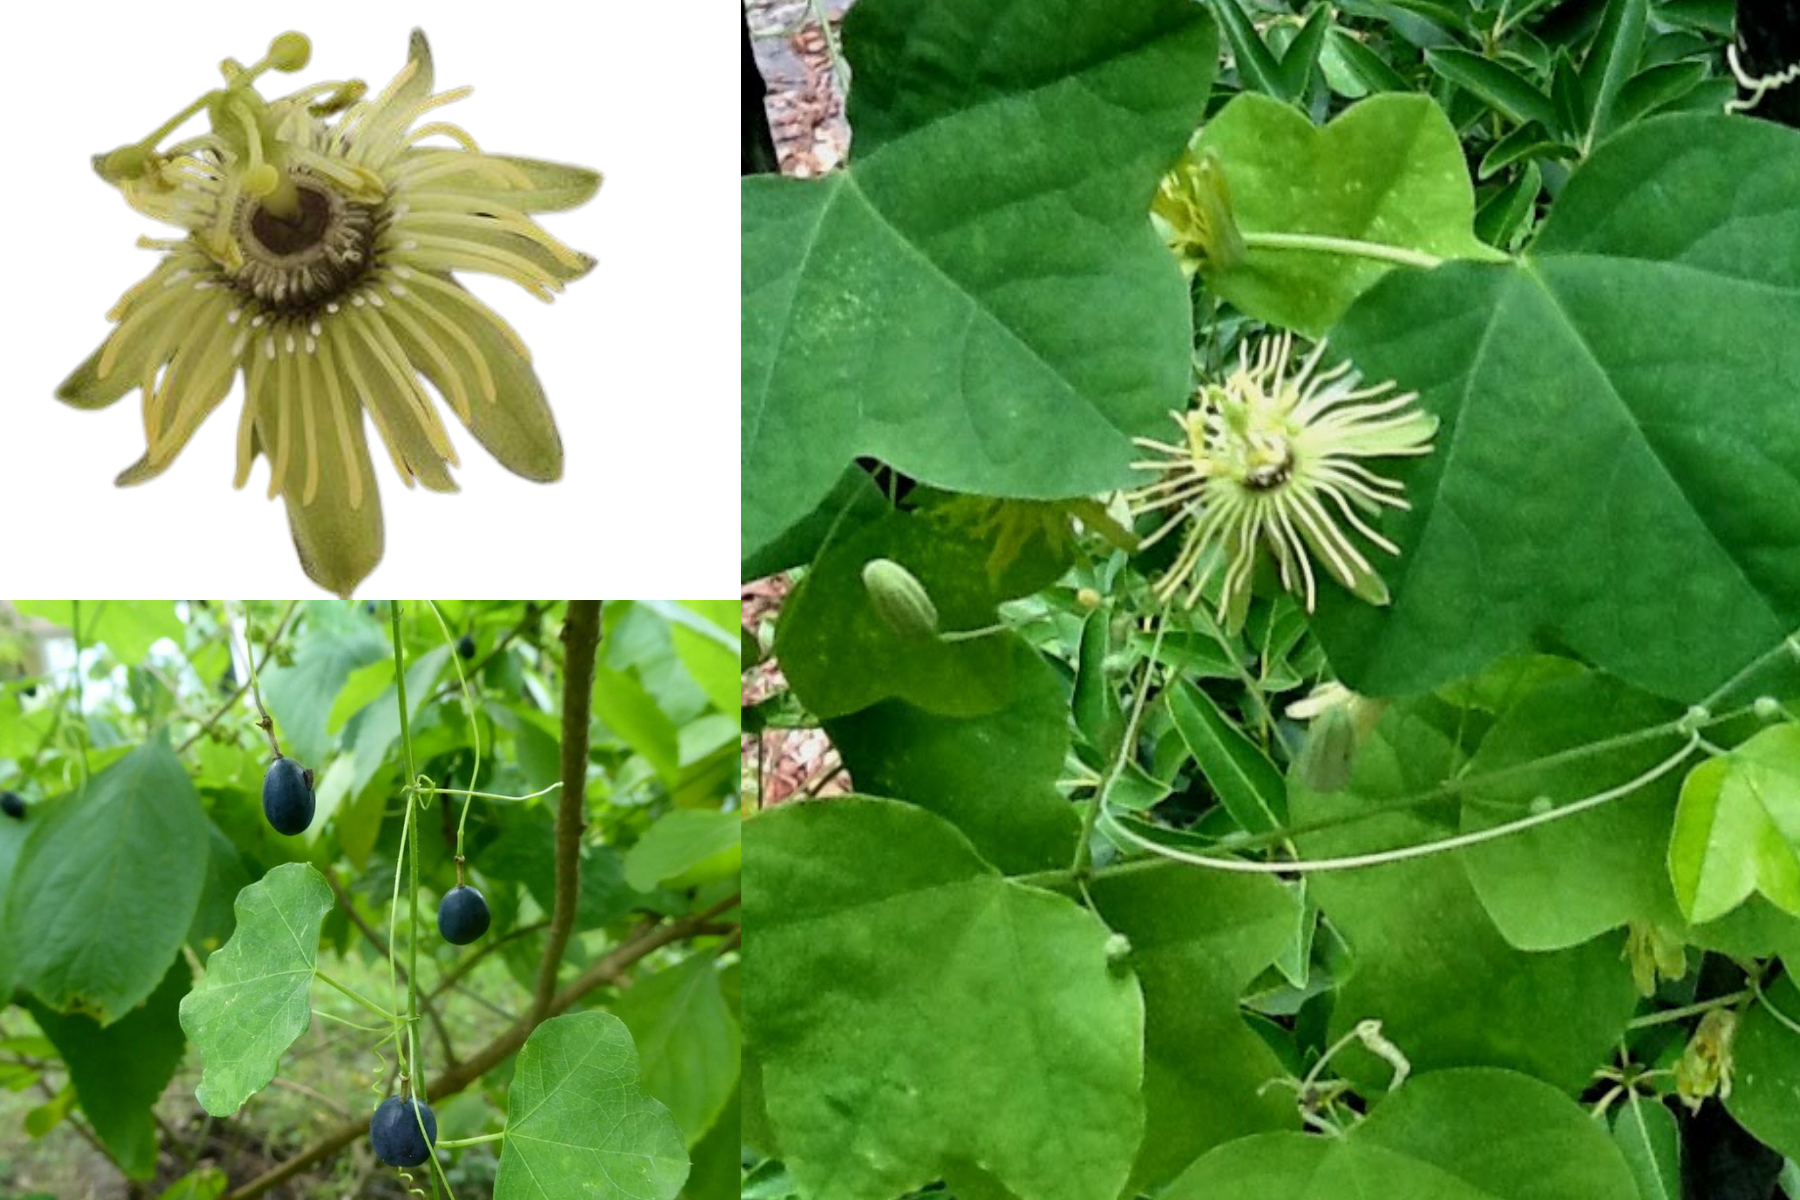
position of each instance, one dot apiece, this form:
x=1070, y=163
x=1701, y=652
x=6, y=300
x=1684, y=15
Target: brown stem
x=608, y=970
x=219, y=713
x=488, y=947
x=581, y=639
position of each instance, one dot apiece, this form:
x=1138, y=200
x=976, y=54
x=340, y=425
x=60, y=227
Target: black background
x=544, y=87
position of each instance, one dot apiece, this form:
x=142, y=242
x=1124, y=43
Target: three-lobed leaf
x=1609, y=469
x=255, y=999
x=978, y=299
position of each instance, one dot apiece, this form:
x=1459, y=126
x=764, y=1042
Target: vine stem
x=218, y=714
x=1343, y=247
x=1423, y=849
x=474, y=1141
x=355, y=995
x=263, y=721
x=1691, y=1010
x=411, y=838
x=474, y=737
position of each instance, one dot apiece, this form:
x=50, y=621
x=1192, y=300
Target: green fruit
x=900, y=600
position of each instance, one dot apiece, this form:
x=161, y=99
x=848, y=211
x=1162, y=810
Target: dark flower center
x=299, y=261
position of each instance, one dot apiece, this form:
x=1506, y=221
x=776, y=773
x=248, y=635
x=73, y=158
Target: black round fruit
x=463, y=916
x=288, y=796
x=394, y=1132
x=466, y=647
x=13, y=805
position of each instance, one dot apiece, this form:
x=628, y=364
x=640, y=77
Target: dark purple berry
x=13, y=805
x=394, y=1132
x=288, y=796
x=463, y=916
x=466, y=647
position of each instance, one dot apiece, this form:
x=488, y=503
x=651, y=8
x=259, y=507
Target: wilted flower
x=1192, y=211
x=319, y=240
x=1270, y=459
x=1705, y=1066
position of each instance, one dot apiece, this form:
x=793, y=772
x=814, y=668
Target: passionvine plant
x=1385, y=777
x=319, y=233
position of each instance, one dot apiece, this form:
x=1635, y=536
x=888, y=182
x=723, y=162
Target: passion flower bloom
x=1273, y=460
x=320, y=237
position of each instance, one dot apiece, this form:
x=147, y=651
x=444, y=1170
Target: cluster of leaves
x=1052, y=947
x=145, y=901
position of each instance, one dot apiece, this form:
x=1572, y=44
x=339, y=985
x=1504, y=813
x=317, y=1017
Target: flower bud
x=900, y=600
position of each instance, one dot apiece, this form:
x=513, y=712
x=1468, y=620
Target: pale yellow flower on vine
x=1273, y=460
x=319, y=234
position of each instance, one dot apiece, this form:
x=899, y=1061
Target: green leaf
x=1565, y=882
x=1004, y=801
x=841, y=656
x=712, y=660
x=687, y=1040
x=1197, y=940
x=208, y=1183
x=1737, y=830
x=1303, y=53
x=526, y=853
x=1355, y=70
x=1655, y=87
x=1470, y=1134
x=119, y=1072
x=577, y=1123
x=378, y=726
x=688, y=846
x=255, y=998
x=1257, y=69
x=128, y=628
x=1496, y=83
x=1389, y=170
x=1429, y=962
x=1242, y=777
x=914, y=1013
x=1635, y=508
x=717, y=1159
x=49, y=1115
x=1765, y=1079
x=332, y=644
x=636, y=719
x=952, y=331
x=1610, y=61
x=1096, y=703
x=107, y=885
x=1645, y=1132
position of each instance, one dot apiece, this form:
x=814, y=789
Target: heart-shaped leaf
x=1474, y=1134
x=1389, y=170
x=979, y=299
x=1001, y=1045
x=1617, y=460
x=578, y=1125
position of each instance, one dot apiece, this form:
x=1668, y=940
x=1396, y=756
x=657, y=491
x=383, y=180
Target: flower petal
x=197, y=380
x=534, y=184
x=86, y=387
x=514, y=423
x=390, y=391
x=338, y=534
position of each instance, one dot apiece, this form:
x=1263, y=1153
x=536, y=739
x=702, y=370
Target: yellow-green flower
x=320, y=237
x=1274, y=460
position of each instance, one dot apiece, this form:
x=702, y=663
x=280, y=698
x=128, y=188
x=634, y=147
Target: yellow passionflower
x=1273, y=459
x=320, y=235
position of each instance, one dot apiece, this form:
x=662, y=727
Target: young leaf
x=1243, y=778
x=1096, y=704
x=1257, y=69
x=1737, y=830
x=1496, y=83
x=1303, y=53
x=1611, y=60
